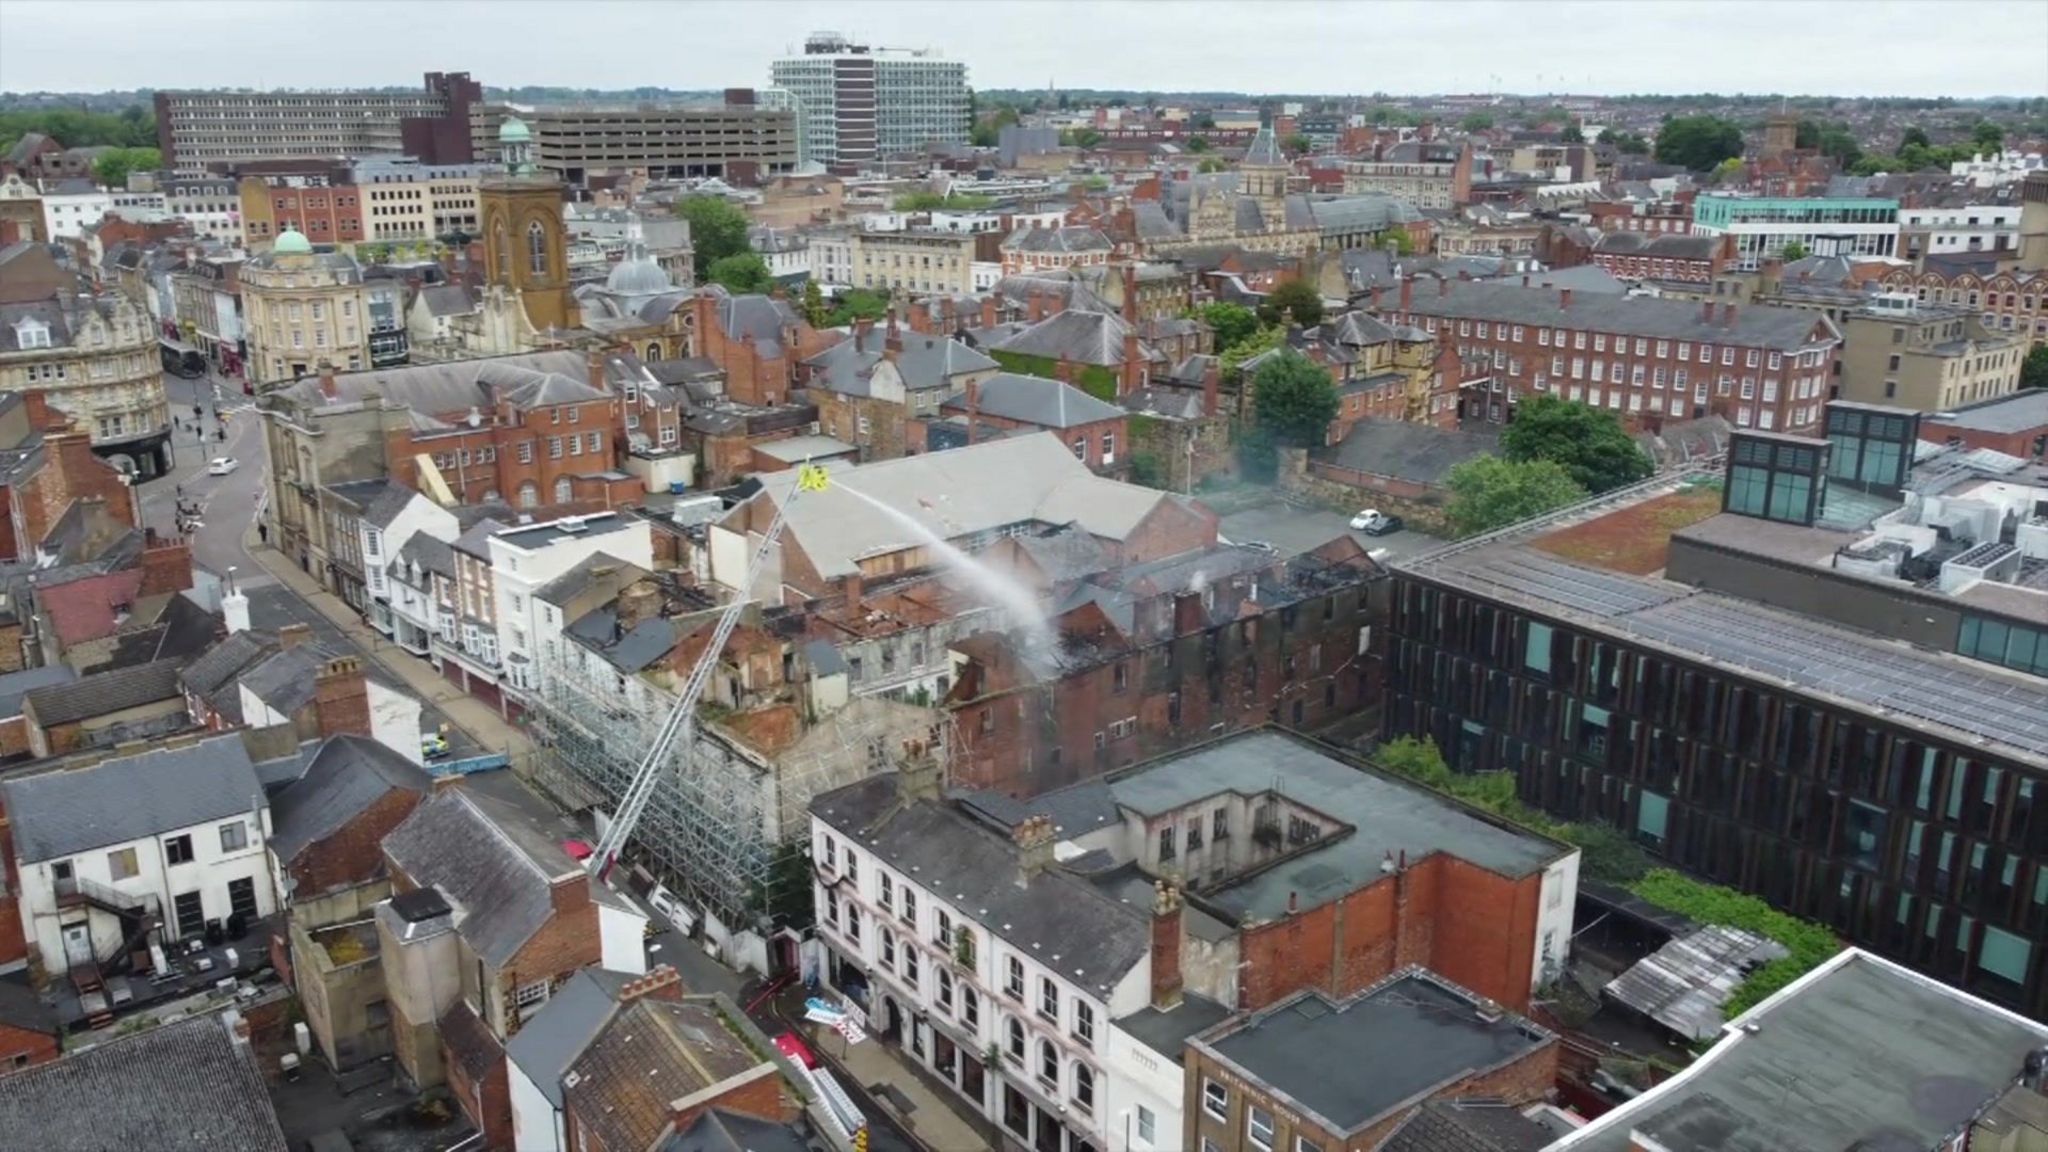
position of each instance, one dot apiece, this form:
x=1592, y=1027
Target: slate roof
x=15, y=686
x=89, y=609
x=1756, y=325
x=2023, y=411
x=346, y=776
x=1663, y=246
x=451, y=386
x=923, y=362
x=1265, y=149
x=383, y=509
x=653, y=1052
x=1417, y=453
x=491, y=862
x=1467, y=1126
x=105, y=692
x=284, y=680
x=1876, y=1056
x=1367, y=213
x=21, y=1008
x=431, y=553
x=762, y=317
x=183, y=1087
x=1056, y=240
x=642, y=645
x=1035, y=400
x=1079, y=336
x=66, y=811
x=448, y=300
x=717, y=1130
x=1059, y=919
x=955, y=493
x=547, y=1044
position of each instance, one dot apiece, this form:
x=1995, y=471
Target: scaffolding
x=722, y=816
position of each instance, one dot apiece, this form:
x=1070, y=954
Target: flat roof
x=1859, y=1053
x=1388, y=815
x=1963, y=701
x=1398, y=1042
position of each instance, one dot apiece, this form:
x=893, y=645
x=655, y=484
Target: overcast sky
x=1937, y=47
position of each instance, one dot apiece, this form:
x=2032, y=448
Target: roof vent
x=1488, y=1010
x=570, y=524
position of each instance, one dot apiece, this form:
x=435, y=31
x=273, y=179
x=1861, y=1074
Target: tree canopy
x=741, y=272
x=1988, y=137
x=717, y=229
x=856, y=304
x=933, y=202
x=1588, y=443
x=1476, y=122
x=1627, y=143
x=1232, y=323
x=1297, y=144
x=1081, y=137
x=132, y=127
x=1793, y=250
x=1198, y=144
x=2034, y=369
x=1294, y=399
x=112, y=168
x=1698, y=142
x=1489, y=492
x=1914, y=135
x=1297, y=300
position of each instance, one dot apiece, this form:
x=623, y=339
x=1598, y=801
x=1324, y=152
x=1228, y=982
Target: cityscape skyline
x=1677, y=46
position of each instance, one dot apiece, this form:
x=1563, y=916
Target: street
x=1293, y=530
x=225, y=503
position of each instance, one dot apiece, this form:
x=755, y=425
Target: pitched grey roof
x=1265, y=149
x=105, y=692
x=489, y=860
x=347, y=775
x=1467, y=1126
x=1083, y=337
x=1068, y=239
x=923, y=362
x=546, y=1045
x=448, y=300
x=451, y=386
x=21, y=1008
x=212, y=676
x=1582, y=279
x=1060, y=920
x=2022, y=411
x=1152, y=223
x=762, y=317
x=1367, y=213
x=15, y=686
x=70, y=810
x=183, y=1087
x=1416, y=453
x=431, y=553
x=1036, y=400
x=284, y=681
x=1666, y=245
x=385, y=508
x=1755, y=325
x=717, y=1130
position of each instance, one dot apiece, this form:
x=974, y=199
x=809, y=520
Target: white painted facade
x=536, y=1124
x=381, y=545
x=1054, y=1045
x=1973, y=228
x=222, y=854
x=524, y=559
x=66, y=215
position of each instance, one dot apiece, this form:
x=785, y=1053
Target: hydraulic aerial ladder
x=681, y=724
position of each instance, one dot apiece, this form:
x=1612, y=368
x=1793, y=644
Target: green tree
x=856, y=304
x=1628, y=143
x=983, y=135
x=1840, y=144
x=1914, y=135
x=1793, y=250
x=1476, y=122
x=1698, y=142
x=1728, y=169
x=2034, y=369
x=1573, y=134
x=1297, y=144
x=933, y=202
x=1489, y=492
x=112, y=168
x=1588, y=443
x=1988, y=137
x=1203, y=122
x=1198, y=145
x=1293, y=399
x=1297, y=300
x=1807, y=135
x=1234, y=355
x=1210, y=164
x=717, y=229
x=1399, y=240
x=741, y=272
x=1083, y=138
x=814, y=304
x=1232, y=323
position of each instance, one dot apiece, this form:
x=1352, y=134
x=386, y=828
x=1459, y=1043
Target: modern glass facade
x=1930, y=852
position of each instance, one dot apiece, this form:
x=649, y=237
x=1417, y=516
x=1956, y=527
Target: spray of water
x=1013, y=598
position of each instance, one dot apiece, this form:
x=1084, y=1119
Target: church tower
x=1264, y=171
x=526, y=248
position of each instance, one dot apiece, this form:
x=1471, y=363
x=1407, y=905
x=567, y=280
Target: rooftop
x=492, y=863
x=1784, y=329
x=66, y=811
x=1398, y=1042
x=649, y=1056
x=1859, y=1053
x=183, y=1087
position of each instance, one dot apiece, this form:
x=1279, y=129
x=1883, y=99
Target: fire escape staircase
x=138, y=915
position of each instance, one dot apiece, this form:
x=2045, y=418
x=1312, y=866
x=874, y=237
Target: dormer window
x=30, y=332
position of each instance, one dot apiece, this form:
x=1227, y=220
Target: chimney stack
x=1130, y=293
x=292, y=635
x=1564, y=299
x=989, y=316
x=1037, y=312
x=327, y=385
x=1166, y=946
x=947, y=324
x=1443, y=286
x=1212, y=385
x=861, y=328
x=973, y=408
x=893, y=341
x=1727, y=315
x=1377, y=292
x=341, y=698
x=661, y=982
x=1706, y=311
x=1033, y=837
x=637, y=603
x=1132, y=377
x=1407, y=293
x=917, y=775
x=595, y=366
x=234, y=608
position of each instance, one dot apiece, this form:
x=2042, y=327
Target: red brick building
x=1679, y=259
x=661, y=1062
x=331, y=214
x=1646, y=360
x=1096, y=431
x=1157, y=656
x=2016, y=425
x=49, y=468
x=1665, y=218
x=758, y=341
x=29, y=1034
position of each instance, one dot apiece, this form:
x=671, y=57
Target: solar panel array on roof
x=1583, y=589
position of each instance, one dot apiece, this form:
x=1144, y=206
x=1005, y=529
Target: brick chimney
x=41, y=417
x=1033, y=837
x=341, y=698
x=990, y=316
x=595, y=366
x=861, y=328
x=1063, y=371
x=893, y=341
x=1133, y=374
x=1212, y=386
x=292, y=635
x=1407, y=293
x=920, y=319
x=1443, y=286
x=166, y=565
x=918, y=776
x=1037, y=312
x=973, y=408
x=1130, y=293
x=1564, y=299
x=1706, y=311
x=1166, y=941
x=662, y=982
x=947, y=323
x=637, y=603
x=853, y=586
x=1377, y=292
x=1727, y=315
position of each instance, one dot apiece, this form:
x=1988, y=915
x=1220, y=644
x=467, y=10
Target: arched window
x=529, y=495
x=653, y=353
x=502, y=245
x=564, y=491
x=1015, y=1035
x=1084, y=1088
x=537, y=248
x=1049, y=1063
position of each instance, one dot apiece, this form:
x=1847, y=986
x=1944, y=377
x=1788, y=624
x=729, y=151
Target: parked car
x=1373, y=522
x=793, y=1046
x=222, y=465
x=433, y=745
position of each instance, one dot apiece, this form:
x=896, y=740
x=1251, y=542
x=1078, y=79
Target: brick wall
x=13, y=943
x=341, y=699
x=487, y=1104
x=765, y=1097
x=23, y=1048
x=350, y=855
x=166, y=565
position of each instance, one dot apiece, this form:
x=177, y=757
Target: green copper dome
x=514, y=131
x=291, y=240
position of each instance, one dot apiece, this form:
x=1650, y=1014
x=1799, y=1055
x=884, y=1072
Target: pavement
x=1294, y=530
